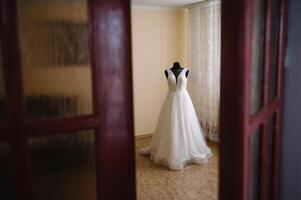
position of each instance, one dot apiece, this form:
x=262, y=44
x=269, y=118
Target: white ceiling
x=165, y=3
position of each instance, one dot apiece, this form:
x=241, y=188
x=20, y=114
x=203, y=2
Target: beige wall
x=157, y=37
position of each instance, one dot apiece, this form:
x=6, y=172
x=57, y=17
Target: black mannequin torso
x=176, y=70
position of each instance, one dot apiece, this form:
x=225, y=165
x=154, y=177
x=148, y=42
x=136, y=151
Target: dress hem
x=199, y=160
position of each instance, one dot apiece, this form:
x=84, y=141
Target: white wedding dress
x=178, y=139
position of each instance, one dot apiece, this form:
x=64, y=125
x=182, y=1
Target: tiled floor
x=195, y=182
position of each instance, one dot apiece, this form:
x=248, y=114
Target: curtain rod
x=201, y=2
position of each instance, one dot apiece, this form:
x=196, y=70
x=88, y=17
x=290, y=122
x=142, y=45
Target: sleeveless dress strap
x=168, y=72
x=184, y=71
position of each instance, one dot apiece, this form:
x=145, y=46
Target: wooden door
x=34, y=134
x=66, y=115
x=253, y=49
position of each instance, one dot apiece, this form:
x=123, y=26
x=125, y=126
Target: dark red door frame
x=112, y=60
x=236, y=124
x=14, y=98
x=235, y=53
x=280, y=94
x=110, y=47
x=274, y=107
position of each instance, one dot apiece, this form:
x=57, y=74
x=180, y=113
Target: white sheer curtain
x=204, y=63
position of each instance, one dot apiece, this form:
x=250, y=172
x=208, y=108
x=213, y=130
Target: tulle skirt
x=178, y=139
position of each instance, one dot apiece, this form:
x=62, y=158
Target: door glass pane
x=254, y=164
x=2, y=90
x=257, y=61
x=63, y=166
x=274, y=50
x=56, y=66
x=6, y=186
x=269, y=175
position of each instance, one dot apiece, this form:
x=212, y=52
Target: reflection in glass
x=6, y=187
x=2, y=90
x=274, y=50
x=269, y=175
x=254, y=164
x=55, y=57
x=257, y=61
x=63, y=166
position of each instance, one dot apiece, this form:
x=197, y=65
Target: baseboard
x=143, y=136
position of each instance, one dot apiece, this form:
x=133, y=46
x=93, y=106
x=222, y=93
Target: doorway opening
x=187, y=33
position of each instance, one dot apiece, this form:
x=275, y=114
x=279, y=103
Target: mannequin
x=176, y=69
x=178, y=139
